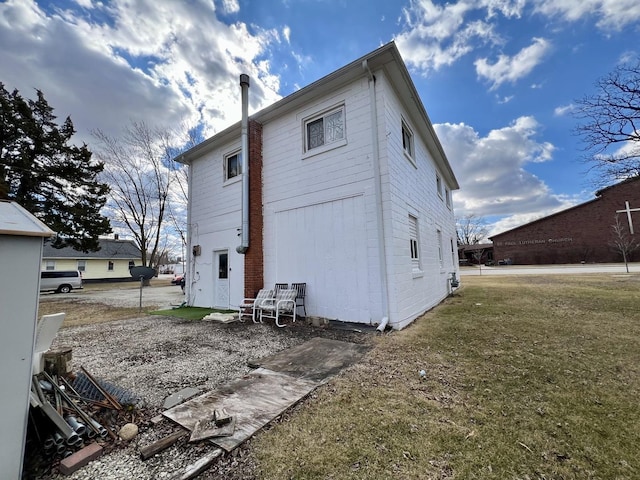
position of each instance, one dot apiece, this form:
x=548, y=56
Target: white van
x=60, y=281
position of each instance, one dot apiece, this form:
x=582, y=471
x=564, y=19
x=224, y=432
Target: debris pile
x=69, y=413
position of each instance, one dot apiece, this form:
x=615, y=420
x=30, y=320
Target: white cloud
x=564, y=110
x=142, y=60
x=511, y=69
x=230, y=6
x=437, y=35
x=613, y=15
x=286, y=33
x=492, y=171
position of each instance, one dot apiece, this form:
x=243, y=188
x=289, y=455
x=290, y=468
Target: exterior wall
x=214, y=222
x=95, y=269
x=319, y=210
x=409, y=188
x=254, y=257
x=579, y=234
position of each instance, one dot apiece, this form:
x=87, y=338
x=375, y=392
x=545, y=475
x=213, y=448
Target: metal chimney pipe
x=244, y=86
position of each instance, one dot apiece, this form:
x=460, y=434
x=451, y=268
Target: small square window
x=82, y=265
x=51, y=265
x=232, y=165
x=133, y=264
x=324, y=130
x=407, y=140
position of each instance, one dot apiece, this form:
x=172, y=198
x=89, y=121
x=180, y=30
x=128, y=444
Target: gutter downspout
x=244, y=86
x=384, y=287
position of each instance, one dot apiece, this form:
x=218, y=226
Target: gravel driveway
x=155, y=356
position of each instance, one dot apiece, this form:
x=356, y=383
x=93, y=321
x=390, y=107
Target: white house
x=348, y=189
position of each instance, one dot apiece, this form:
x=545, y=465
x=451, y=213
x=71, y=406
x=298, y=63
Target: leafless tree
x=471, y=230
x=611, y=124
x=147, y=186
x=477, y=256
x=623, y=242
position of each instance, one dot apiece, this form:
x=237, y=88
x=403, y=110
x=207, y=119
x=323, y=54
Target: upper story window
x=325, y=129
x=407, y=140
x=232, y=165
x=439, y=185
x=447, y=196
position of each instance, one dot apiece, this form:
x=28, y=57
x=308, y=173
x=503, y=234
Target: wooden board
x=253, y=401
x=318, y=359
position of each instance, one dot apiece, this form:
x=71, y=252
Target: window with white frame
x=324, y=129
x=439, y=185
x=110, y=266
x=453, y=253
x=407, y=139
x=50, y=265
x=413, y=243
x=82, y=265
x=232, y=165
x=447, y=196
x=440, y=259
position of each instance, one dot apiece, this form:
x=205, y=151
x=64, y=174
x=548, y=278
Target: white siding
x=303, y=195
x=410, y=189
x=215, y=219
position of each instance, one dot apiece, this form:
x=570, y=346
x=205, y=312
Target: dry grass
x=78, y=313
x=527, y=378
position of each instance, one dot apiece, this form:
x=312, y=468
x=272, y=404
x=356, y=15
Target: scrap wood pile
x=70, y=412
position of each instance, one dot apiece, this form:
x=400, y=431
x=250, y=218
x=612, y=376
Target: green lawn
x=189, y=313
x=527, y=377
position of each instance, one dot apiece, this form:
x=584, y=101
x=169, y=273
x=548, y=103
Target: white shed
x=21, y=239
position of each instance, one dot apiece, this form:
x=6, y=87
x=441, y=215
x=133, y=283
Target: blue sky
x=498, y=78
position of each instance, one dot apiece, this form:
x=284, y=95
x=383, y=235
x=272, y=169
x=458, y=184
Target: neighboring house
x=111, y=263
x=349, y=190
x=581, y=234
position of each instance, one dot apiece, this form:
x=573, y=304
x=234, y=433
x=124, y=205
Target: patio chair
x=249, y=306
x=301, y=288
x=280, y=286
x=284, y=303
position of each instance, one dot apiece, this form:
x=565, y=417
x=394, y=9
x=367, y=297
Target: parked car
x=177, y=279
x=60, y=281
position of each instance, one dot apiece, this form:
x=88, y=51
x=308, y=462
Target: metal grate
x=84, y=387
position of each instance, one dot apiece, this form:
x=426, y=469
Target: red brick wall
x=579, y=234
x=253, y=261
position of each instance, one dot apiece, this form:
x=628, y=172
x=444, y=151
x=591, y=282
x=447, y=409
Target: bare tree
x=623, y=242
x=144, y=182
x=471, y=230
x=611, y=124
x=477, y=256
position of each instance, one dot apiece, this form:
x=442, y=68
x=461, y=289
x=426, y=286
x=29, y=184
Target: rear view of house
x=342, y=185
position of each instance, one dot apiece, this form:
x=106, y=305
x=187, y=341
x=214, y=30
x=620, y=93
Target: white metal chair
x=249, y=306
x=284, y=303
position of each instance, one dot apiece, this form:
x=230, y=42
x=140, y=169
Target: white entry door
x=221, y=279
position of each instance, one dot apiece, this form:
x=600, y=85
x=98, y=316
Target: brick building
x=583, y=233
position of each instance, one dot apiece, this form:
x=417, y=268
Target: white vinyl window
x=51, y=265
x=439, y=185
x=447, y=196
x=440, y=258
x=82, y=265
x=407, y=140
x=232, y=165
x=110, y=266
x=413, y=243
x=325, y=129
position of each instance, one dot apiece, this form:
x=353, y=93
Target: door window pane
x=223, y=271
